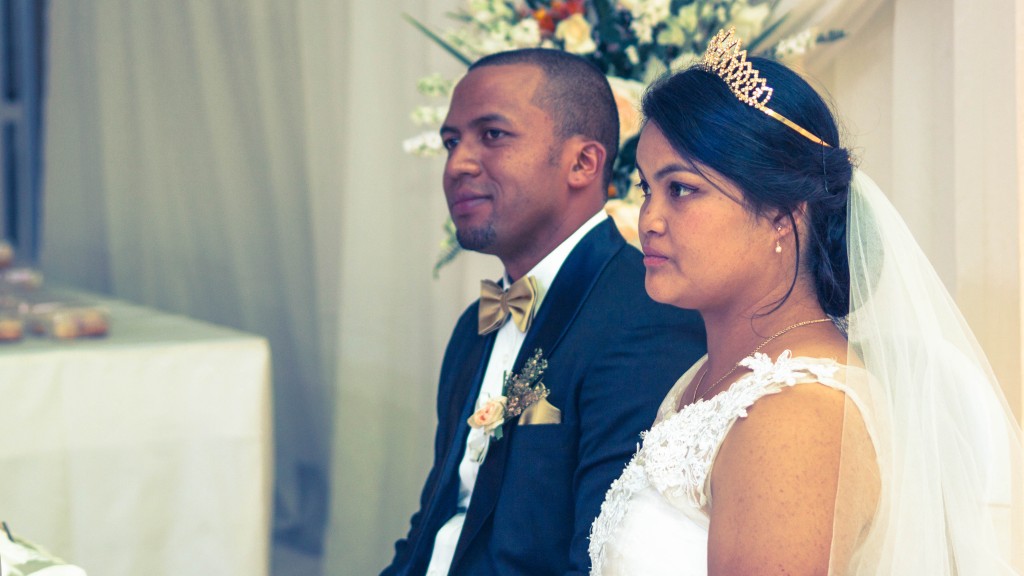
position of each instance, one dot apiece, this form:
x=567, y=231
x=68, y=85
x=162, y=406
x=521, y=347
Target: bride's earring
x=778, y=244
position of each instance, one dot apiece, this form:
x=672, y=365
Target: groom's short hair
x=575, y=93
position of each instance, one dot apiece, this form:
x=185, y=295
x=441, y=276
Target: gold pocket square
x=541, y=412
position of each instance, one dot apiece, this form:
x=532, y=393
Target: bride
x=844, y=420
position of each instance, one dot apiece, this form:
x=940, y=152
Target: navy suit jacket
x=612, y=354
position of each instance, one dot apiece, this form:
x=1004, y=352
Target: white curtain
x=177, y=176
x=240, y=162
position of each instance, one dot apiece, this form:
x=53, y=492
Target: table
x=147, y=452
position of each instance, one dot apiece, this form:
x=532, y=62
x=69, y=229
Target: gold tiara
x=726, y=59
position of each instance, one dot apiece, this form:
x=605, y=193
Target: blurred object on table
x=26, y=307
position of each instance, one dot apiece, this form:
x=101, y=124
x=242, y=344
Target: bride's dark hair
x=775, y=166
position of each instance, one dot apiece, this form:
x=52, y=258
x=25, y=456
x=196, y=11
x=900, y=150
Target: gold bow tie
x=496, y=305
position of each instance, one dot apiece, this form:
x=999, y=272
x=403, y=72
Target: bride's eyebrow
x=675, y=168
x=688, y=168
x=672, y=168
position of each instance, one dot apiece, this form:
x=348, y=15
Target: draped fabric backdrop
x=240, y=162
x=185, y=169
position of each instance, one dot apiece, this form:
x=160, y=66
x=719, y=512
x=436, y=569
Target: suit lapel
x=565, y=298
x=465, y=387
x=570, y=289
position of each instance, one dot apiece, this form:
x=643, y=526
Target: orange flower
x=545, y=20
x=548, y=18
x=565, y=9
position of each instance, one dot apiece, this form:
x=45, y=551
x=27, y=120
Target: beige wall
x=934, y=113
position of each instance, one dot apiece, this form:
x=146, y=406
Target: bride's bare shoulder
x=773, y=484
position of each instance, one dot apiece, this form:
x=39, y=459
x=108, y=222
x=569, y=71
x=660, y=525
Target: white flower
x=490, y=415
x=488, y=11
x=492, y=44
x=491, y=26
x=484, y=17
x=797, y=44
x=425, y=144
x=434, y=86
x=501, y=9
x=687, y=17
x=574, y=32
x=654, y=10
x=633, y=55
x=647, y=15
x=428, y=115
x=672, y=34
x=525, y=34
x=643, y=30
x=749, y=20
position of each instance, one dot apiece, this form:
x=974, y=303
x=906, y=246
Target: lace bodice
x=672, y=466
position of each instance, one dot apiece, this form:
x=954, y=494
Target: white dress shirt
x=507, y=342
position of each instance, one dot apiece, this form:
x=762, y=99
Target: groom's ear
x=588, y=158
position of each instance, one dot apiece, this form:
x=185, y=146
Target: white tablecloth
x=145, y=453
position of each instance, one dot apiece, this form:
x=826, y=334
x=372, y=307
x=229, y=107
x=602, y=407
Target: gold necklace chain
x=696, y=389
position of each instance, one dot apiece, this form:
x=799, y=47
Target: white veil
x=948, y=450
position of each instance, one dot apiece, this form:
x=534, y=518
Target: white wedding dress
x=655, y=517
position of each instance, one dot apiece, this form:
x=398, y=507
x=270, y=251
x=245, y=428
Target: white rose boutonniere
x=519, y=392
x=490, y=416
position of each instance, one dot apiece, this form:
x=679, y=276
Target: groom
x=531, y=136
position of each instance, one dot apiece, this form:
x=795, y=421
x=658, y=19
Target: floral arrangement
x=518, y=392
x=632, y=41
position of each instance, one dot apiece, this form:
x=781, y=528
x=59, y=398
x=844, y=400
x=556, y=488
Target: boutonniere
x=519, y=392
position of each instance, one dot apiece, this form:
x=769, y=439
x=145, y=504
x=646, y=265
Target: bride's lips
x=653, y=257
